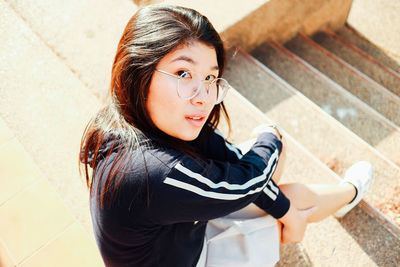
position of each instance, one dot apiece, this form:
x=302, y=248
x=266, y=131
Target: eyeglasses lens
x=189, y=84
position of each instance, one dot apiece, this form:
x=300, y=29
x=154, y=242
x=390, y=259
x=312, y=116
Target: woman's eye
x=183, y=74
x=210, y=78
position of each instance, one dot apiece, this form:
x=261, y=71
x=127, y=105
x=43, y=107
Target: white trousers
x=246, y=238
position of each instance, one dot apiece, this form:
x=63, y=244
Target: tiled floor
x=5, y=259
x=5, y=133
x=65, y=246
x=36, y=228
x=17, y=169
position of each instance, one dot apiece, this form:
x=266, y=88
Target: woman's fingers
x=293, y=230
x=264, y=128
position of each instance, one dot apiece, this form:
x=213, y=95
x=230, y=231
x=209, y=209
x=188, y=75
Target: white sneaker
x=360, y=175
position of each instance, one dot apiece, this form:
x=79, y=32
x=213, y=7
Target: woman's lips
x=196, y=120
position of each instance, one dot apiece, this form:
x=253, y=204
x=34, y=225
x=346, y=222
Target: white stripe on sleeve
x=269, y=193
x=227, y=196
x=271, y=190
x=225, y=184
x=209, y=194
x=234, y=149
x=229, y=146
x=273, y=187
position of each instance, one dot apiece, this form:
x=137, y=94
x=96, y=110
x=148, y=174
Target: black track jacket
x=161, y=209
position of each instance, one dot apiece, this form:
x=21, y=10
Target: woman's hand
x=265, y=128
x=294, y=224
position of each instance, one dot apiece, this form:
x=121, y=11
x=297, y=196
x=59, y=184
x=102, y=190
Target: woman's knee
x=299, y=194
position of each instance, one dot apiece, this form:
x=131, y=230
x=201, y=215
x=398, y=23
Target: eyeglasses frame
x=198, y=89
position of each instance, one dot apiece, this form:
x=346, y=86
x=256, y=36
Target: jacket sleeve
x=196, y=190
x=220, y=149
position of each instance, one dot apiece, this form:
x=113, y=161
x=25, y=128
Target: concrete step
x=344, y=243
x=378, y=21
x=322, y=135
x=46, y=107
x=352, y=36
x=233, y=19
x=360, y=85
x=380, y=73
x=333, y=99
x=83, y=34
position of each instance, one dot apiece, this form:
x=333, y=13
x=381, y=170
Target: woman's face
x=179, y=118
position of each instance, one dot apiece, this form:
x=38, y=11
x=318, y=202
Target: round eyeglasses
x=189, y=85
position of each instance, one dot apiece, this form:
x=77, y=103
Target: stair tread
x=333, y=99
x=354, y=37
x=379, y=22
x=352, y=55
x=308, y=123
x=373, y=94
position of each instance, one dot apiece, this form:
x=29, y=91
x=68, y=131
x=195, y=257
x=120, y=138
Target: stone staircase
x=55, y=68
x=294, y=110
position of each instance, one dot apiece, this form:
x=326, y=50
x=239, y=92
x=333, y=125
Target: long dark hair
x=152, y=32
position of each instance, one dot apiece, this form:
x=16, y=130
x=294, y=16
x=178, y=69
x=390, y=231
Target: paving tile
x=75, y=243
x=5, y=132
x=46, y=107
x=32, y=218
x=84, y=33
x=5, y=258
x=17, y=170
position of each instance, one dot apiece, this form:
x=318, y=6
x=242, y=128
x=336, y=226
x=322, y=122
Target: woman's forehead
x=194, y=53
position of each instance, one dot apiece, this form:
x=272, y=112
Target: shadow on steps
x=377, y=242
x=380, y=245
x=358, y=39
x=293, y=255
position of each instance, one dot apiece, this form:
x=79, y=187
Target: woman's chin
x=190, y=136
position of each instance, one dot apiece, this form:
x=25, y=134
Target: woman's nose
x=202, y=96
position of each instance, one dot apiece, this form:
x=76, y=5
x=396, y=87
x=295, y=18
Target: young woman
x=160, y=169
